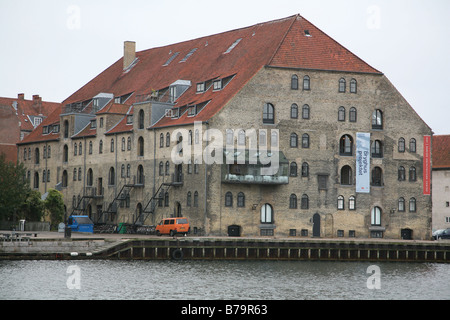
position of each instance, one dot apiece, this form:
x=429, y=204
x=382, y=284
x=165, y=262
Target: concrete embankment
x=115, y=246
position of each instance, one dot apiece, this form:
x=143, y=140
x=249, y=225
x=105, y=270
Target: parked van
x=173, y=226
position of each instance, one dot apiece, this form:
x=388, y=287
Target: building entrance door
x=316, y=225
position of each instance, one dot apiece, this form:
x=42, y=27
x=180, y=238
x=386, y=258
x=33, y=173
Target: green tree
x=33, y=207
x=54, y=204
x=14, y=188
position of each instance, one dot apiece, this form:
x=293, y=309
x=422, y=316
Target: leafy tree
x=14, y=188
x=55, y=207
x=33, y=208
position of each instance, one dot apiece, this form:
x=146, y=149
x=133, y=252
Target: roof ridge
x=284, y=38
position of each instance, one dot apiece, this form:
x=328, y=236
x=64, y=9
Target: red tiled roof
x=278, y=43
x=37, y=134
x=441, y=152
x=307, y=47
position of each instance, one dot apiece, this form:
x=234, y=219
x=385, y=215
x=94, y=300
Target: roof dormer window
x=233, y=46
x=200, y=87
x=217, y=84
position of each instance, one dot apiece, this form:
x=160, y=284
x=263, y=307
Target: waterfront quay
x=54, y=246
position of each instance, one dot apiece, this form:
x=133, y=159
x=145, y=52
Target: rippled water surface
x=236, y=280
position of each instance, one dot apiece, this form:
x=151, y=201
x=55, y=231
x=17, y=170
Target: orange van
x=173, y=226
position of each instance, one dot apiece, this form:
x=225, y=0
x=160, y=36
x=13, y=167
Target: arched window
x=44, y=176
x=412, y=174
x=141, y=119
x=262, y=138
x=294, y=82
x=129, y=143
x=274, y=139
x=342, y=85
x=75, y=149
x=141, y=147
x=167, y=168
x=100, y=147
x=353, y=86
x=241, y=138
x=36, y=180
x=401, y=173
x=75, y=174
x=305, y=202
x=293, y=201
x=140, y=175
x=306, y=83
x=190, y=137
x=25, y=154
x=196, y=136
x=376, y=216
x=161, y=140
x=305, y=169
x=195, y=199
x=112, y=176
x=228, y=199
x=305, y=112
x=64, y=179
x=166, y=199
x=188, y=199
x=80, y=149
x=305, y=141
x=293, y=169
x=36, y=156
x=412, y=205
x=49, y=152
x=352, y=203
x=294, y=111
x=45, y=152
x=66, y=129
x=377, y=149
x=269, y=114
x=401, y=145
x=293, y=140
x=90, y=147
x=90, y=178
x=79, y=174
x=353, y=115
x=123, y=144
x=241, y=200
x=161, y=168
x=412, y=145
x=377, y=119
x=168, y=139
x=346, y=176
x=377, y=177
x=128, y=170
x=112, y=145
x=65, y=153
x=267, y=214
x=346, y=145
x=122, y=171
x=340, y=203
x=401, y=205
x=341, y=114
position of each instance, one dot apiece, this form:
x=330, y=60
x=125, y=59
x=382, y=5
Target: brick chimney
x=129, y=53
x=21, y=96
x=37, y=102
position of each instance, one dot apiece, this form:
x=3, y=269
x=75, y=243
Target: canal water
x=227, y=280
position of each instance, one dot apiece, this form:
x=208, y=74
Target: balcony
x=253, y=171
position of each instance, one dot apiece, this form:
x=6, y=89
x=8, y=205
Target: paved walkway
x=115, y=237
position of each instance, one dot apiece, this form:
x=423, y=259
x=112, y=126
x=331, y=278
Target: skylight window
x=307, y=33
x=171, y=59
x=233, y=46
x=188, y=55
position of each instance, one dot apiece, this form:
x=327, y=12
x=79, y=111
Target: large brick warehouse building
x=271, y=130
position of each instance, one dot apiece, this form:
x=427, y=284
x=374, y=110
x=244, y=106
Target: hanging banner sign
x=427, y=165
x=362, y=162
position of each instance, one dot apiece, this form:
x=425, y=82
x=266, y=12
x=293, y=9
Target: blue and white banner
x=362, y=162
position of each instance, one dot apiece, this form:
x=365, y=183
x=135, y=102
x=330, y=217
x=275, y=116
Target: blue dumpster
x=80, y=224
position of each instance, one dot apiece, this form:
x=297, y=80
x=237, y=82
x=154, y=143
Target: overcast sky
x=54, y=47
